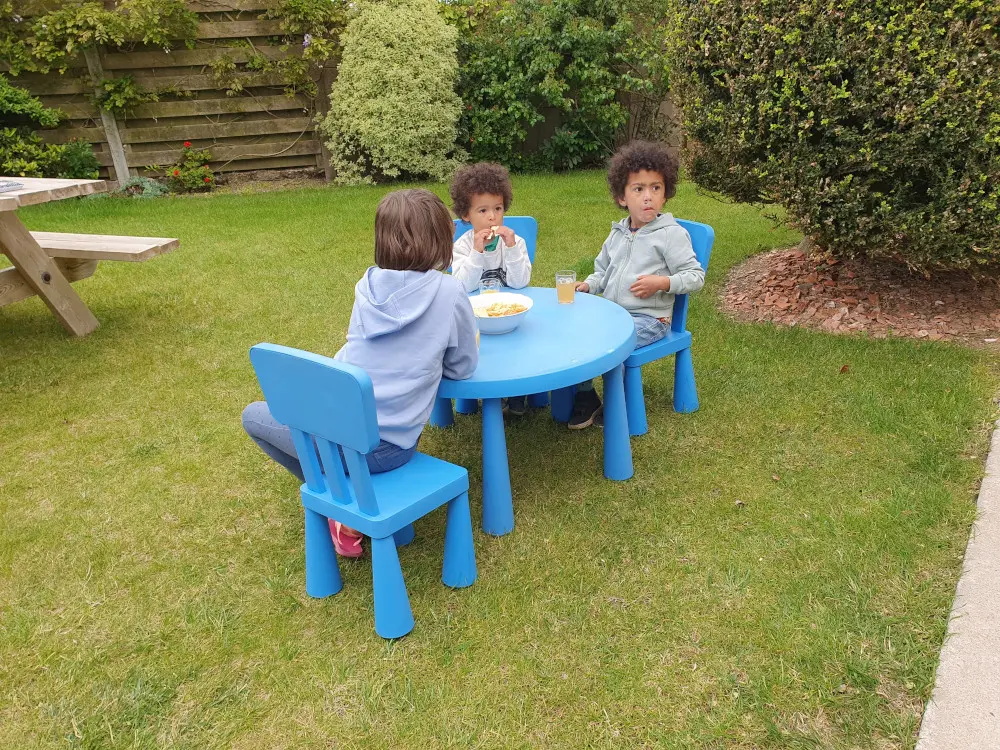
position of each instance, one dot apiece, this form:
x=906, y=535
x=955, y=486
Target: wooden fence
x=258, y=128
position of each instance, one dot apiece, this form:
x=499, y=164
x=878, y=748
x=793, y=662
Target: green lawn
x=151, y=559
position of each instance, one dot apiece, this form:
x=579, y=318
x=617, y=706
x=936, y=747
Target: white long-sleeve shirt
x=510, y=265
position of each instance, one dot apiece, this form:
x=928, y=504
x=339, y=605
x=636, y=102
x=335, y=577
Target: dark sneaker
x=599, y=418
x=586, y=406
x=517, y=405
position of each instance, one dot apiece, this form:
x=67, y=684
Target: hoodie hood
x=387, y=301
x=661, y=221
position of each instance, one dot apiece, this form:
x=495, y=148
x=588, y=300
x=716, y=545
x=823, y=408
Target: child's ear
x=621, y=202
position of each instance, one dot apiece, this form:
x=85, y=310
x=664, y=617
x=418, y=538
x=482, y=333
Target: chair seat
x=670, y=344
x=405, y=494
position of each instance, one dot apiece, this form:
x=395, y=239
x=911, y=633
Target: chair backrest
x=525, y=227
x=702, y=239
x=325, y=404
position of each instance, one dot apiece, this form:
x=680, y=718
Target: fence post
x=114, y=138
x=327, y=74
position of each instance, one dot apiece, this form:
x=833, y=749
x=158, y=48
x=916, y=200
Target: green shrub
x=24, y=154
x=565, y=68
x=393, y=108
x=875, y=123
x=191, y=173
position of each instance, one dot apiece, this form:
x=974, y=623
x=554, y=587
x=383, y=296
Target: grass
x=778, y=574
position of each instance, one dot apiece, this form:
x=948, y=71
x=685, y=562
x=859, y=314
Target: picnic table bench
x=47, y=263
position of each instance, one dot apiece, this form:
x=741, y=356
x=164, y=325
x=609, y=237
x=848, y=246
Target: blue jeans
x=648, y=330
x=275, y=439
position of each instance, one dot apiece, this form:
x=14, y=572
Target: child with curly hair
x=646, y=260
x=480, y=195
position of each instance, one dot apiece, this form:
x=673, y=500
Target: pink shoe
x=346, y=540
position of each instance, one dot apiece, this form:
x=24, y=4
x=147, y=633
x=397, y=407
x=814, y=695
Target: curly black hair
x=638, y=155
x=483, y=178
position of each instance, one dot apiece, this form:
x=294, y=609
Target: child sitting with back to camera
x=646, y=260
x=411, y=325
x=481, y=194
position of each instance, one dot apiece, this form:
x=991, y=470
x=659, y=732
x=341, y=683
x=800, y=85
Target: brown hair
x=636, y=156
x=483, y=178
x=413, y=232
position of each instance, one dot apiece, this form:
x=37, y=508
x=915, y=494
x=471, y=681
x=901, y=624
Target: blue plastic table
x=555, y=347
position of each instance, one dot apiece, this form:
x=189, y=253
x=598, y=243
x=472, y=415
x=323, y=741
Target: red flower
x=208, y=179
x=469, y=107
x=187, y=144
x=176, y=172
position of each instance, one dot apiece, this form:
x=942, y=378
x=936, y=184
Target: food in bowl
x=500, y=310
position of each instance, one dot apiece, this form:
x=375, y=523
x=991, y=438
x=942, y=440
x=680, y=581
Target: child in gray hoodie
x=647, y=258
x=411, y=326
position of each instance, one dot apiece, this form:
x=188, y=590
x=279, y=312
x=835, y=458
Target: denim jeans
x=275, y=439
x=648, y=329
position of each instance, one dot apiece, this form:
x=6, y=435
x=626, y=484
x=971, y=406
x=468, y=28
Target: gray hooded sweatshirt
x=408, y=329
x=662, y=248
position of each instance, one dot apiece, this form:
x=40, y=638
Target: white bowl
x=507, y=323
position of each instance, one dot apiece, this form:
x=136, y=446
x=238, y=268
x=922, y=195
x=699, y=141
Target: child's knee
x=255, y=416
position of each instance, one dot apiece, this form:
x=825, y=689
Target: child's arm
x=467, y=263
x=517, y=264
x=685, y=274
x=462, y=355
x=595, y=282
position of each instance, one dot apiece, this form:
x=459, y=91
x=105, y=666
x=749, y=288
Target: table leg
x=562, y=404
x=42, y=274
x=441, y=414
x=498, y=504
x=617, y=447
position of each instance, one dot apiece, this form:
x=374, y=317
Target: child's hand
x=583, y=286
x=507, y=235
x=646, y=286
x=480, y=239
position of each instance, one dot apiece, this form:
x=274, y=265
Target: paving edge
x=964, y=710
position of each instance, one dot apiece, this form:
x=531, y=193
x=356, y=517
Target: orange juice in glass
x=565, y=286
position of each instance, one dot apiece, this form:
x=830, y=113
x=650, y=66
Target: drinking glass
x=565, y=287
x=489, y=286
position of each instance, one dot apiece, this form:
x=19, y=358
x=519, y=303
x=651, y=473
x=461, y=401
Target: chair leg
x=322, y=570
x=393, y=616
x=441, y=414
x=459, y=569
x=404, y=536
x=617, y=447
x=635, y=402
x=562, y=404
x=685, y=392
x=538, y=400
x=466, y=405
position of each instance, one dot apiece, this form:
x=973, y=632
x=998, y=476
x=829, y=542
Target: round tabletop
x=555, y=346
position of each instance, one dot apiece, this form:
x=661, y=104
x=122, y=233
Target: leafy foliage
x=567, y=68
x=52, y=38
x=22, y=151
x=876, y=124
x=121, y=95
x=393, y=107
x=313, y=26
x=191, y=172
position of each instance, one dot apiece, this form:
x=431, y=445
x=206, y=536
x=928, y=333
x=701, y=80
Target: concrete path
x=964, y=710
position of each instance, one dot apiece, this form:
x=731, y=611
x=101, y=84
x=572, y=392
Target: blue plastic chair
x=677, y=342
x=329, y=404
x=525, y=227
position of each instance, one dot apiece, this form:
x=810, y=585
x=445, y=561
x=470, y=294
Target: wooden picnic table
x=46, y=263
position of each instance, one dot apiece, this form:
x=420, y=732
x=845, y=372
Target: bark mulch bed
x=789, y=287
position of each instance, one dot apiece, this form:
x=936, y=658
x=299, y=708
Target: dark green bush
x=22, y=151
x=876, y=123
x=563, y=67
